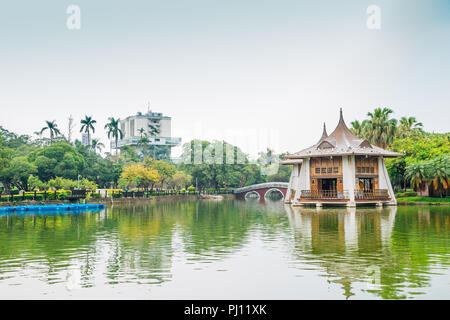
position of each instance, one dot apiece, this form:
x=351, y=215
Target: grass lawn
x=424, y=199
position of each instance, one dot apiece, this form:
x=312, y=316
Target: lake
x=227, y=250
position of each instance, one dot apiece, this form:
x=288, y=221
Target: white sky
x=269, y=69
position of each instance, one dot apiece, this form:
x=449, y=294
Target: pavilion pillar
x=293, y=184
x=302, y=182
x=383, y=180
x=349, y=177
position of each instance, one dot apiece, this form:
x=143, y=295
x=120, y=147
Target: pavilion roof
x=341, y=142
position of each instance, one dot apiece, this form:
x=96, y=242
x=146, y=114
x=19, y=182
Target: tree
x=409, y=126
x=6, y=155
x=165, y=170
x=358, y=128
x=153, y=128
x=21, y=169
x=439, y=173
x=87, y=124
x=215, y=169
x=52, y=127
x=379, y=129
x=143, y=144
x=60, y=159
x=97, y=145
x=180, y=179
x=113, y=130
x=416, y=173
x=137, y=175
x=141, y=132
x=34, y=183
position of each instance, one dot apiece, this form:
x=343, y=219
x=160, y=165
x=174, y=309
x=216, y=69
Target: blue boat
x=59, y=207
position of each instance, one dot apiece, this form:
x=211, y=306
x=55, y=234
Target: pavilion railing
x=324, y=195
x=377, y=194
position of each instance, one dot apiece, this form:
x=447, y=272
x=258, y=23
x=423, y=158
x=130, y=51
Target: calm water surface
x=227, y=250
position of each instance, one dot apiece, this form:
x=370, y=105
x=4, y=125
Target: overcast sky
x=272, y=69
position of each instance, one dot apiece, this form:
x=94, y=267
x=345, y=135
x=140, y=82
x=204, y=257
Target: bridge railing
x=266, y=185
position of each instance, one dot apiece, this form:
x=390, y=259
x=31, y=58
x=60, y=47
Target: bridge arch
x=271, y=190
x=250, y=194
x=262, y=189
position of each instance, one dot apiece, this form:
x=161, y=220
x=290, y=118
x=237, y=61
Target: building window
x=359, y=169
x=336, y=170
x=329, y=170
x=372, y=170
x=313, y=181
x=324, y=170
x=340, y=181
x=317, y=170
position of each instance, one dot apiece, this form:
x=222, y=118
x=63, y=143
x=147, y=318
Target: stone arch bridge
x=261, y=190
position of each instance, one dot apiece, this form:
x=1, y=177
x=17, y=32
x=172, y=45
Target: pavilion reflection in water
x=337, y=240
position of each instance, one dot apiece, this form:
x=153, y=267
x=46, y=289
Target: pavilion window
x=324, y=170
x=359, y=169
x=329, y=170
x=317, y=170
x=336, y=170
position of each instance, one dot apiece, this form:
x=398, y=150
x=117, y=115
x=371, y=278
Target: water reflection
x=373, y=250
x=385, y=252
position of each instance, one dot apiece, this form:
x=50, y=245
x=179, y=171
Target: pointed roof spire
x=324, y=133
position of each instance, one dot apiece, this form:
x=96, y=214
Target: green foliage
x=52, y=127
x=60, y=159
x=165, y=169
x=215, y=170
x=34, y=183
x=425, y=154
x=422, y=147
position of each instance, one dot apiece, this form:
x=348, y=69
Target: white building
x=85, y=139
x=153, y=126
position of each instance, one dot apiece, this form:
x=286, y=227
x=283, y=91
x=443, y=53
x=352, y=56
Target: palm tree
x=407, y=126
x=439, y=172
x=417, y=174
x=52, y=127
x=143, y=143
x=87, y=126
x=141, y=132
x=113, y=129
x=97, y=145
x=379, y=129
x=153, y=129
x=358, y=128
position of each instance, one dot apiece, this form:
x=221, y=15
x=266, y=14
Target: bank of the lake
x=423, y=201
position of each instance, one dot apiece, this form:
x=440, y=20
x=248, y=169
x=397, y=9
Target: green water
x=227, y=250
